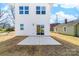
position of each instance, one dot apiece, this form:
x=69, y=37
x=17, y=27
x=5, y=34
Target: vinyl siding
x=70, y=30
x=77, y=29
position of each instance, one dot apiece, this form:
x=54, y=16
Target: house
x=52, y=26
x=68, y=28
x=32, y=19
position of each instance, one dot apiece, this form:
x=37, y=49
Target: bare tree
x=10, y=15
x=11, y=8
x=1, y=13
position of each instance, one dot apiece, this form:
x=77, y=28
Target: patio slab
x=39, y=41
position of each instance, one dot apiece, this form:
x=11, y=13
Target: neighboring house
x=69, y=28
x=32, y=19
x=52, y=26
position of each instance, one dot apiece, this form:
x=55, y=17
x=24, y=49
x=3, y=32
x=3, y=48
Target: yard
x=9, y=47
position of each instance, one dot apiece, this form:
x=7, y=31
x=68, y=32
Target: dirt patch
x=10, y=48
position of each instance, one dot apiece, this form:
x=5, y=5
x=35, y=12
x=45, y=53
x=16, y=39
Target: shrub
x=10, y=29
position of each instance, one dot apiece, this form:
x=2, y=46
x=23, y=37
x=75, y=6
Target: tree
x=1, y=13
x=5, y=20
x=11, y=8
x=2, y=21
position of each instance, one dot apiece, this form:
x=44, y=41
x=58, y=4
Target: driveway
x=37, y=40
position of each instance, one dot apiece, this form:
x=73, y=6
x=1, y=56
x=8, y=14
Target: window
x=40, y=29
x=23, y=10
x=40, y=10
x=43, y=10
x=65, y=29
x=21, y=26
x=26, y=10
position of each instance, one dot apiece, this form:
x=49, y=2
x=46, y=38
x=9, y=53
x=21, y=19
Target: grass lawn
x=3, y=30
x=9, y=47
x=70, y=39
x=4, y=37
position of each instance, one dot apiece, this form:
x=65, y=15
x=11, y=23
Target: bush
x=10, y=29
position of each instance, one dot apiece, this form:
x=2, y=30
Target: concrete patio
x=37, y=40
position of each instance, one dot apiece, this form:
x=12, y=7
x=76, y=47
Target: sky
x=63, y=11
x=3, y=5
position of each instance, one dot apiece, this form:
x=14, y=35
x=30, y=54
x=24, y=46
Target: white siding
x=32, y=18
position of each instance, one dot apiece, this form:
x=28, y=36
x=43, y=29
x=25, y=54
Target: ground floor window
x=65, y=29
x=21, y=26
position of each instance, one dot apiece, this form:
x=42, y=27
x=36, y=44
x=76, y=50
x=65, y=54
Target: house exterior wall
x=70, y=30
x=77, y=29
x=31, y=20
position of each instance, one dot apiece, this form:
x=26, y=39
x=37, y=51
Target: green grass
x=2, y=30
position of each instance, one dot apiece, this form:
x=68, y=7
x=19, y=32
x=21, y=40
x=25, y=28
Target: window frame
x=21, y=26
x=37, y=9
x=65, y=29
x=41, y=10
x=21, y=8
x=24, y=9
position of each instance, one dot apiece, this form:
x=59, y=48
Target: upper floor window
x=23, y=9
x=40, y=10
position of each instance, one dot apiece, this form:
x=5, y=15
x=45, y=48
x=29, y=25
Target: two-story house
x=32, y=19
